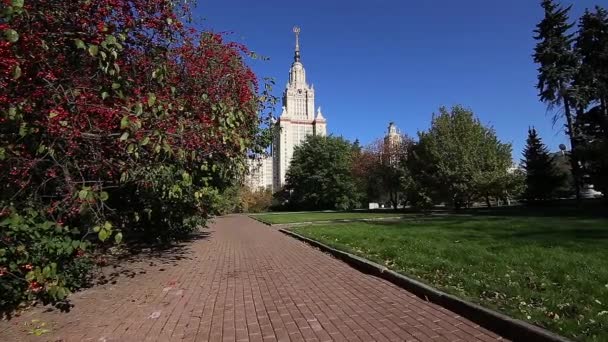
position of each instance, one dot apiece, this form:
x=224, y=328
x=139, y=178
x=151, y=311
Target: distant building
x=392, y=143
x=297, y=120
x=393, y=136
x=260, y=173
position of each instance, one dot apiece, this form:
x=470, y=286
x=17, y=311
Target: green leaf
x=53, y=114
x=80, y=44
x=124, y=122
x=151, y=99
x=138, y=108
x=11, y=35
x=96, y=229
x=82, y=194
x=118, y=237
x=115, y=86
x=18, y=3
x=107, y=225
x=102, y=235
x=16, y=72
x=110, y=39
x=104, y=95
x=124, y=136
x=12, y=112
x=23, y=130
x=93, y=50
x=61, y=294
x=103, y=196
x=145, y=141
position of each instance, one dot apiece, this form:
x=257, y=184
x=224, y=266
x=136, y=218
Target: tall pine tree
x=558, y=66
x=542, y=178
x=592, y=91
x=592, y=47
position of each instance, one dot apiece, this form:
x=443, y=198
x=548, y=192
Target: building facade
x=298, y=118
x=260, y=173
x=392, y=144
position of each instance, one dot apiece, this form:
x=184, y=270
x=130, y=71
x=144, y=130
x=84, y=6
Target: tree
x=459, y=160
x=362, y=169
x=592, y=47
x=593, y=150
x=592, y=86
x=116, y=117
x=255, y=200
x=542, y=178
x=558, y=66
x=380, y=170
x=389, y=169
x=320, y=175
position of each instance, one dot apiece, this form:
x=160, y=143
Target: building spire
x=296, y=30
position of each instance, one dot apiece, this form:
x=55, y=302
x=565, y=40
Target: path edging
x=307, y=223
x=503, y=325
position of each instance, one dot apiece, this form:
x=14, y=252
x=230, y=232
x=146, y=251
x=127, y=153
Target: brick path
x=245, y=282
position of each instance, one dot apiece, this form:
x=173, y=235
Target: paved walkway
x=244, y=282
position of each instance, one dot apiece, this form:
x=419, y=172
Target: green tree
x=593, y=149
x=558, y=66
x=592, y=47
x=542, y=178
x=320, y=175
x=459, y=160
x=592, y=91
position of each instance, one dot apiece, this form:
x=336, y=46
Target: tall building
x=298, y=118
x=260, y=173
x=392, y=144
x=393, y=136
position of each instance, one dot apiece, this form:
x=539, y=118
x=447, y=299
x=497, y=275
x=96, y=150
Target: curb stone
x=511, y=328
x=307, y=223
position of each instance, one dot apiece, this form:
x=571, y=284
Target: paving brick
x=245, y=282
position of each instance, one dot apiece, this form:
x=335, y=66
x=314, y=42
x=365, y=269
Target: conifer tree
x=542, y=179
x=592, y=47
x=558, y=66
x=592, y=93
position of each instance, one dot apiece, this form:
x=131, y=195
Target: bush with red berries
x=117, y=119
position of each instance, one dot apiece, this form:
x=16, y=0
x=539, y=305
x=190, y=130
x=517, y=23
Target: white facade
x=297, y=120
x=260, y=173
x=393, y=136
x=392, y=142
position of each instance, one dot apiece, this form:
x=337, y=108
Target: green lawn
x=551, y=271
x=280, y=218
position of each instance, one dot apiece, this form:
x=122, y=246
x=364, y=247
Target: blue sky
x=393, y=60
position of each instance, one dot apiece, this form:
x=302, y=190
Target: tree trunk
x=573, y=144
x=488, y=202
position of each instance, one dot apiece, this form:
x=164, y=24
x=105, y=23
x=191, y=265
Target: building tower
x=298, y=118
x=392, y=144
x=393, y=137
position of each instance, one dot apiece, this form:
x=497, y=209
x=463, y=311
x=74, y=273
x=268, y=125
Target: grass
x=282, y=218
x=550, y=271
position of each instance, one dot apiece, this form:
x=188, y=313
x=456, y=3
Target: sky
x=373, y=62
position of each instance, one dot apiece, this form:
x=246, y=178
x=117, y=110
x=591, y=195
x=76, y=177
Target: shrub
x=39, y=259
x=256, y=200
x=116, y=117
